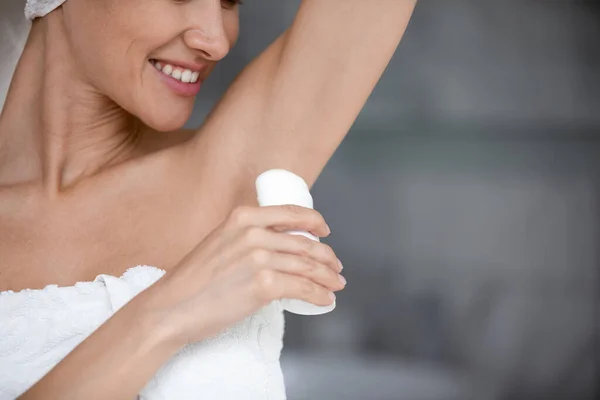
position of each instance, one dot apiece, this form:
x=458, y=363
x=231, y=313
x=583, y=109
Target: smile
x=178, y=73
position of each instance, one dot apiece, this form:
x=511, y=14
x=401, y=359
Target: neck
x=56, y=129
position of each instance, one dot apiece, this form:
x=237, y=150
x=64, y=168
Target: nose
x=209, y=37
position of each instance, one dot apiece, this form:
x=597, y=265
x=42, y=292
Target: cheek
x=101, y=58
x=92, y=32
x=113, y=58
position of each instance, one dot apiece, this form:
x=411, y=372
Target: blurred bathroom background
x=465, y=205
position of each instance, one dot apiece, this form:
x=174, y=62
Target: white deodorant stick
x=279, y=187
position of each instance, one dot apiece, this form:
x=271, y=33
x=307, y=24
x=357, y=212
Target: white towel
x=38, y=328
x=40, y=8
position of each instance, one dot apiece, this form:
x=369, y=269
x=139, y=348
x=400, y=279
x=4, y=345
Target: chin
x=167, y=120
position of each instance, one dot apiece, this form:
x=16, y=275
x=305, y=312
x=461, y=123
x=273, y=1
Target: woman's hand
x=243, y=265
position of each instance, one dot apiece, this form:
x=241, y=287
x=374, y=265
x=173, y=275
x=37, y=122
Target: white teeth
x=186, y=76
x=176, y=74
x=167, y=70
x=183, y=75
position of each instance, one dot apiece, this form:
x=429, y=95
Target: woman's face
x=151, y=56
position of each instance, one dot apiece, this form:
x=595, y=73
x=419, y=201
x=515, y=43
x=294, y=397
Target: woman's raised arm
x=293, y=105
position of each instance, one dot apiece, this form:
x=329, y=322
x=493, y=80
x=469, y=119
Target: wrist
x=152, y=317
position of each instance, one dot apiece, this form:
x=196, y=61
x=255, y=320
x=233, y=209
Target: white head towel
x=40, y=8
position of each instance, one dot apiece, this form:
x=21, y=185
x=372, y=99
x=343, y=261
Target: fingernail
x=340, y=264
x=343, y=280
x=332, y=296
x=328, y=229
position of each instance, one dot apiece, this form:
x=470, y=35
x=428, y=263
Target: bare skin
x=97, y=176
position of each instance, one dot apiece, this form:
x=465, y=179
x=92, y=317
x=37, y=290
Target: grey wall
x=464, y=205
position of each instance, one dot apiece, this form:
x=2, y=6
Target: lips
x=183, y=79
x=181, y=74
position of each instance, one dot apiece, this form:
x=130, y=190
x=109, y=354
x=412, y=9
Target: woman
x=97, y=176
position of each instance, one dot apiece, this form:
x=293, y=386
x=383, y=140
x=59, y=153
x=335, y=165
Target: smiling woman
x=97, y=176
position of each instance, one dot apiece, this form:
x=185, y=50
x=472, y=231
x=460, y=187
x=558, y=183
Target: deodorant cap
x=278, y=187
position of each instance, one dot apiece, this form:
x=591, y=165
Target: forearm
x=115, y=362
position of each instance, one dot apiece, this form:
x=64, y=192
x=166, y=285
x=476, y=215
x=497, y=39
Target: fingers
x=299, y=266
x=297, y=245
x=284, y=265
x=274, y=285
x=281, y=218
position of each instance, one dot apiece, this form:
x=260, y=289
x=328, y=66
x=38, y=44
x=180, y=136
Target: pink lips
x=178, y=87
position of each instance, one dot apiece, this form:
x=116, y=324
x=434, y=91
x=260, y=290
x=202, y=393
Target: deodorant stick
x=278, y=187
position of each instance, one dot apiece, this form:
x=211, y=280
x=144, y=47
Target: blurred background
x=465, y=206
